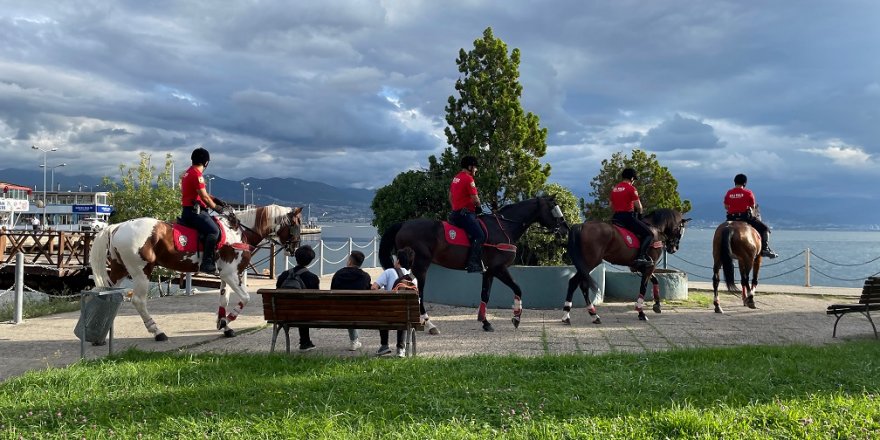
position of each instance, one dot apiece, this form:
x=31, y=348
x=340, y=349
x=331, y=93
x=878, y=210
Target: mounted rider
x=627, y=209
x=465, y=204
x=740, y=205
x=196, y=201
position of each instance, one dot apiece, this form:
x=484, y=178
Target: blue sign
x=88, y=209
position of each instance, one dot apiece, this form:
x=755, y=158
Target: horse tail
x=727, y=258
x=386, y=245
x=577, y=256
x=98, y=256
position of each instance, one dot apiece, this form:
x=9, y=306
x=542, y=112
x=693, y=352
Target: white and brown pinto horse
x=133, y=248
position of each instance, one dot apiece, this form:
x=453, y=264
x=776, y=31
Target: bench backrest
x=363, y=309
x=871, y=291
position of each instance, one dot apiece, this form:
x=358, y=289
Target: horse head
x=670, y=224
x=289, y=229
x=550, y=216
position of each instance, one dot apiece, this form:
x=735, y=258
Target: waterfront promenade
x=794, y=316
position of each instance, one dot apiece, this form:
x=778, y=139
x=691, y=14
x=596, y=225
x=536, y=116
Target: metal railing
x=342, y=252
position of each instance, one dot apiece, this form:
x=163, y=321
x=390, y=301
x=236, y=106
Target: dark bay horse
x=736, y=239
x=426, y=238
x=591, y=242
x=133, y=248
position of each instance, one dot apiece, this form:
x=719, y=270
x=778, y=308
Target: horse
x=504, y=228
x=135, y=247
x=591, y=242
x=736, y=239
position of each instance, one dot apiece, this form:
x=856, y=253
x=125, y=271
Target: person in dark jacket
x=304, y=256
x=352, y=277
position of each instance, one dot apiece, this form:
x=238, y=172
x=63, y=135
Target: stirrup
x=643, y=261
x=769, y=253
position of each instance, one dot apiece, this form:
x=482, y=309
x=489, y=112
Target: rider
x=627, y=211
x=196, y=201
x=740, y=205
x=465, y=204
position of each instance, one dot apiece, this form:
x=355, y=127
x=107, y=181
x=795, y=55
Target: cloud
x=680, y=133
x=843, y=155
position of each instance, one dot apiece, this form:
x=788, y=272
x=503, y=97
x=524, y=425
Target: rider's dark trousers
x=467, y=220
x=755, y=223
x=630, y=221
x=207, y=228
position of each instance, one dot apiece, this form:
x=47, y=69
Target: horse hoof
x=229, y=333
x=656, y=308
x=515, y=321
x=566, y=321
x=434, y=331
x=161, y=337
x=487, y=326
x=718, y=310
x=221, y=323
x=642, y=316
x=597, y=320
x=752, y=306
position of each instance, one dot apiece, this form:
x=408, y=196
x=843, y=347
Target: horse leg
x=591, y=308
x=421, y=274
x=640, y=302
x=224, y=303
x=505, y=278
x=716, y=280
x=573, y=284
x=484, y=302
x=655, y=290
x=744, y=281
x=236, y=282
x=139, y=300
x=755, y=270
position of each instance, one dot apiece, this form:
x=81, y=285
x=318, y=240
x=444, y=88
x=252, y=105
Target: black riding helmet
x=200, y=156
x=740, y=179
x=468, y=161
x=629, y=173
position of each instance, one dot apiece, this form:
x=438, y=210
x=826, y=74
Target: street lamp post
x=244, y=187
x=52, y=184
x=209, y=183
x=252, y=194
x=45, y=152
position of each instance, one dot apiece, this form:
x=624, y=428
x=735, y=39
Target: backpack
x=295, y=281
x=404, y=282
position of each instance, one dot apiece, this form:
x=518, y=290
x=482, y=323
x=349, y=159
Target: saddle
x=632, y=240
x=458, y=237
x=186, y=239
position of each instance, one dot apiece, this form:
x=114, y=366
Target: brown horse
x=591, y=242
x=133, y=248
x=736, y=239
x=504, y=228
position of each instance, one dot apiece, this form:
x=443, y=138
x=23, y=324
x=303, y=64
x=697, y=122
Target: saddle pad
x=186, y=239
x=632, y=241
x=457, y=236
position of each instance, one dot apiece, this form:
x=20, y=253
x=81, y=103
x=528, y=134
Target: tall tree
x=144, y=193
x=657, y=187
x=486, y=120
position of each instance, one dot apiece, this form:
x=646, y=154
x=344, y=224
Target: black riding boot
x=765, y=246
x=643, y=259
x=475, y=258
x=207, y=266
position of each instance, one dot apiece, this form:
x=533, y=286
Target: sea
x=836, y=258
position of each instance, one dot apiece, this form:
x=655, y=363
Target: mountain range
x=322, y=201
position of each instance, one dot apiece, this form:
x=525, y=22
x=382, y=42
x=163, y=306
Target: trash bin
x=97, y=312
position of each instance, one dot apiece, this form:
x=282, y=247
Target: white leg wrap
x=517, y=305
x=640, y=303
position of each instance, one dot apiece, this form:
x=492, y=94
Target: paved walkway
x=794, y=317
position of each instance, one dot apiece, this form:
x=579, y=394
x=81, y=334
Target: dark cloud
x=680, y=133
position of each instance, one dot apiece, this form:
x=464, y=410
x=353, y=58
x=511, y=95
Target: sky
x=351, y=93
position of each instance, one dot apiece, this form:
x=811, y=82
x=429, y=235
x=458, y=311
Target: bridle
x=556, y=211
x=293, y=231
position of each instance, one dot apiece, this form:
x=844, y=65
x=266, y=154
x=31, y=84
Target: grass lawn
x=745, y=392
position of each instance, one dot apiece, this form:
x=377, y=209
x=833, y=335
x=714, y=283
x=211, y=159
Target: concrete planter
x=625, y=285
x=543, y=287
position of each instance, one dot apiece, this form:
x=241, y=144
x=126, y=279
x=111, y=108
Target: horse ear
x=297, y=210
x=685, y=220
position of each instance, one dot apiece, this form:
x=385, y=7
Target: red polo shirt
x=739, y=200
x=622, y=197
x=190, y=183
x=460, y=191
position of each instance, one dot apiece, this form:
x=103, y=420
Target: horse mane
x=662, y=218
x=248, y=217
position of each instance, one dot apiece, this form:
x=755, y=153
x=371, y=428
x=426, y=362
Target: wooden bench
x=359, y=309
x=870, y=300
